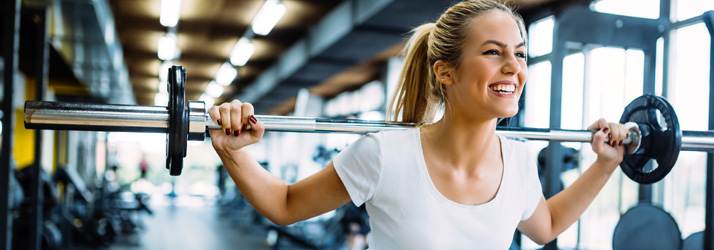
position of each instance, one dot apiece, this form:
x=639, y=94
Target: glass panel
x=537, y=115
x=537, y=101
x=688, y=93
x=572, y=118
x=685, y=9
x=658, y=66
x=613, y=78
x=635, y=8
x=540, y=40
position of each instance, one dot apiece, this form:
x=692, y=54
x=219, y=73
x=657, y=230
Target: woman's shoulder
x=513, y=143
x=402, y=135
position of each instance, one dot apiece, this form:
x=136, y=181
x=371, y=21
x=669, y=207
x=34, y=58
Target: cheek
x=523, y=75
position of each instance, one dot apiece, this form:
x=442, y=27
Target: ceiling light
x=163, y=87
x=167, y=47
x=161, y=99
x=242, y=52
x=226, y=74
x=209, y=101
x=170, y=12
x=214, y=89
x=268, y=17
x=164, y=71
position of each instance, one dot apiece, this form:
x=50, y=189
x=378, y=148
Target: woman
x=452, y=184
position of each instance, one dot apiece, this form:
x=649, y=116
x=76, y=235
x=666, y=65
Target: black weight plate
x=694, y=241
x=661, y=143
x=646, y=227
x=178, y=121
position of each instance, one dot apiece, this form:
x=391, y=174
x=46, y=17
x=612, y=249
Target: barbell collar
x=196, y=120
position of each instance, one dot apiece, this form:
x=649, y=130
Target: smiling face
x=493, y=70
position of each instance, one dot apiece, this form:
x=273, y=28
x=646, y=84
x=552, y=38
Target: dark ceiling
x=208, y=30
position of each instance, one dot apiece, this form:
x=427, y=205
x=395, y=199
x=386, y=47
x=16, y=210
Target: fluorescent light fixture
x=164, y=87
x=214, y=89
x=226, y=74
x=164, y=71
x=167, y=47
x=161, y=99
x=242, y=52
x=170, y=12
x=268, y=17
x=209, y=101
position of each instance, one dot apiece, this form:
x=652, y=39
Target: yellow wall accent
x=24, y=142
x=24, y=150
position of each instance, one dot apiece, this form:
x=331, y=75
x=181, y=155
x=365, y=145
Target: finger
x=247, y=112
x=599, y=139
x=257, y=129
x=236, y=117
x=624, y=131
x=216, y=116
x=597, y=125
x=618, y=134
x=225, y=110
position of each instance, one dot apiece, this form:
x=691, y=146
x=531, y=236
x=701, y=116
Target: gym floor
x=189, y=224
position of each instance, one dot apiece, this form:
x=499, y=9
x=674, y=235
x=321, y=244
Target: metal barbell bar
x=654, y=127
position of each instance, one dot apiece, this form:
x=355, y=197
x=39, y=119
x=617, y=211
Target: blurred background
x=317, y=58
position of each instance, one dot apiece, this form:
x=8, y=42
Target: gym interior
x=127, y=186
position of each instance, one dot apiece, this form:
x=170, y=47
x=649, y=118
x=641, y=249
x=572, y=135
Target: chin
x=508, y=113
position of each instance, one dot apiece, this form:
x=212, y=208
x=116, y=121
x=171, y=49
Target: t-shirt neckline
x=438, y=195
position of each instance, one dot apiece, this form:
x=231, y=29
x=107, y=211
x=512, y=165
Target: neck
x=463, y=143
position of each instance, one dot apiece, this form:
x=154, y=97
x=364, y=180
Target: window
x=635, y=8
x=688, y=91
x=685, y=9
x=540, y=40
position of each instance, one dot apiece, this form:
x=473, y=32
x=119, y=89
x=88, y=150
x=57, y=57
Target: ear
x=443, y=73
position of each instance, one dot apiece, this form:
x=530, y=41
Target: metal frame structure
x=35, y=192
x=11, y=43
x=604, y=30
x=709, y=205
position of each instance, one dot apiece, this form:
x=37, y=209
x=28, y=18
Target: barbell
x=654, y=128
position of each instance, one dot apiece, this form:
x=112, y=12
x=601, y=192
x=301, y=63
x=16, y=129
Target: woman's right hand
x=235, y=117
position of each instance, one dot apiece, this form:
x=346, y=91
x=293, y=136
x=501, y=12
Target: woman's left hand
x=609, y=154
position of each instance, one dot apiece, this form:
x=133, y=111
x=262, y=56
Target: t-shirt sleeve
x=359, y=166
x=533, y=188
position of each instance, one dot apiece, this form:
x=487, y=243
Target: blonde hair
x=419, y=94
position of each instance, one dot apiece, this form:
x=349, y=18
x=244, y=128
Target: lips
x=503, y=88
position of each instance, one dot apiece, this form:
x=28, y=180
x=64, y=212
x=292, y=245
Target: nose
x=510, y=65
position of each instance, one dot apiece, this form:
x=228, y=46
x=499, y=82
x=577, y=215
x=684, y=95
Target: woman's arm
x=554, y=216
x=272, y=197
x=281, y=203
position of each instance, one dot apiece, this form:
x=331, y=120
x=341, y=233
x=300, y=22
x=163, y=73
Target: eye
x=521, y=54
x=491, y=52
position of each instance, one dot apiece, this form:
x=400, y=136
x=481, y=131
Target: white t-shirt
x=387, y=171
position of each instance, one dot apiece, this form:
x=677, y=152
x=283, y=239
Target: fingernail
x=228, y=131
x=245, y=127
x=605, y=130
x=235, y=133
x=219, y=122
x=620, y=143
x=253, y=120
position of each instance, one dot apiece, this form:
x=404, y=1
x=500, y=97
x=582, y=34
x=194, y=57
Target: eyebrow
x=503, y=45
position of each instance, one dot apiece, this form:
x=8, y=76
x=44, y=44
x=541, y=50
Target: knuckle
x=224, y=107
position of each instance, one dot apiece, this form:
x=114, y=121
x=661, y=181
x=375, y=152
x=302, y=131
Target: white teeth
x=504, y=87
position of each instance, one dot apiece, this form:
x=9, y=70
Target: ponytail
x=413, y=100
x=419, y=94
